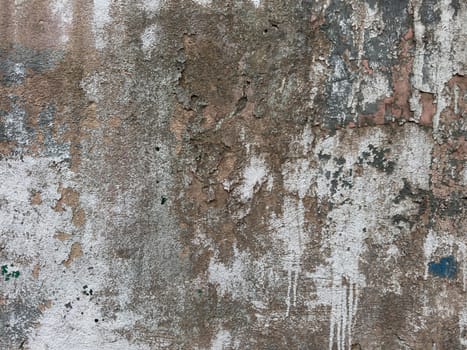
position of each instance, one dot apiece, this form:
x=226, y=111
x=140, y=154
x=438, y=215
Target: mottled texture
x=235, y=174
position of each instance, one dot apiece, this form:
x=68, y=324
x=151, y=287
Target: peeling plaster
x=237, y=175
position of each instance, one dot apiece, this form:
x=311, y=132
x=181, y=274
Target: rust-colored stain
x=79, y=217
x=45, y=305
x=36, y=198
x=75, y=253
x=428, y=108
x=35, y=271
x=62, y=236
x=69, y=197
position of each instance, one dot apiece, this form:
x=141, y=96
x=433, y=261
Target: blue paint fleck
x=447, y=267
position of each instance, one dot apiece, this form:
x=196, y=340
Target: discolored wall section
x=237, y=174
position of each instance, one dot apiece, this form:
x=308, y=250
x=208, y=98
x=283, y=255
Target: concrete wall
x=233, y=174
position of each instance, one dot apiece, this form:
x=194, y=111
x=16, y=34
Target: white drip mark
x=291, y=234
x=343, y=308
x=295, y=289
x=291, y=299
x=287, y=301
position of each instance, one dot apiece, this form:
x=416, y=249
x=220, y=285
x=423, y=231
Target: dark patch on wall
x=452, y=206
x=430, y=13
x=382, y=50
x=14, y=124
x=16, y=319
x=456, y=6
x=8, y=272
x=48, y=127
x=15, y=63
x=445, y=268
x=370, y=108
x=338, y=29
x=376, y=157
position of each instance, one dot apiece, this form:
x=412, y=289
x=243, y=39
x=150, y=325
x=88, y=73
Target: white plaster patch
x=101, y=17
x=19, y=71
x=254, y=175
x=374, y=88
x=203, y=2
x=30, y=233
x=91, y=86
x=290, y=231
x=414, y=161
x=298, y=177
x=149, y=39
x=229, y=279
x=257, y=3
x=244, y=277
x=152, y=5
x=63, y=13
x=289, y=228
x=301, y=145
x=29, y=240
x=60, y=329
x=222, y=340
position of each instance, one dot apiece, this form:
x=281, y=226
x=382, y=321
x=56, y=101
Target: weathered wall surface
x=235, y=174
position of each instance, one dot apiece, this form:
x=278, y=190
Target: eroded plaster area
x=217, y=175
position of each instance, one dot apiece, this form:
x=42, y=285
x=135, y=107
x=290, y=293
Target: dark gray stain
x=430, y=14
x=15, y=63
x=14, y=126
x=455, y=4
x=376, y=157
x=17, y=317
x=338, y=29
x=340, y=178
x=46, y=122
x=368, y=109
x=381, y=51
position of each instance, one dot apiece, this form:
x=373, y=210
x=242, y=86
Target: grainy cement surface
x=233, y=174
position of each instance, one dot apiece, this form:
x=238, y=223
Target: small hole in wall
x=96, y=320
x=265, y=31
x=158, y=148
